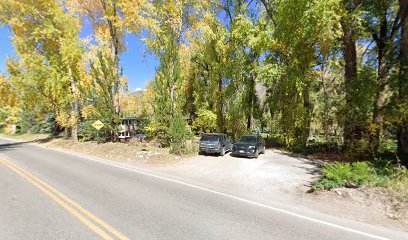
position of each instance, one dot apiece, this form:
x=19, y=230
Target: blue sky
x=137, y=66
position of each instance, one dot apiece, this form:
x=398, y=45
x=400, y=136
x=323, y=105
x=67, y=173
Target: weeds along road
x=48, y=194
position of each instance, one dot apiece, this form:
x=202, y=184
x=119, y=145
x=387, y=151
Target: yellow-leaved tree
x=49, y=68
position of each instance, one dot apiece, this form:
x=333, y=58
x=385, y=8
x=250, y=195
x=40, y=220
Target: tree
x=403, y=82
x=109, y=29
x=167, y=24
x=352, y=125
x=299, y=28
x=384, y=24
x=101, y=94
x=47, y=42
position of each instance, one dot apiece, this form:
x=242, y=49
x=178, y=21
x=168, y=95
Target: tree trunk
x=382, y=90
x=249, y=117
x=403, y=140
x=403, y=82
x=326, y=107
x=308, y=114
x=74, y=127
x=351, y=130
x=250, y=98
x=220, y=101
x=115, y=42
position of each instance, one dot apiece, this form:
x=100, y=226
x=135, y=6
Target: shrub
x=396, y=180
x=346, y=175
x=86, y=132
x=382, y=172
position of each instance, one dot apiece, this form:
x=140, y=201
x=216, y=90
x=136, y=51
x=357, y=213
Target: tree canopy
x=329, y=72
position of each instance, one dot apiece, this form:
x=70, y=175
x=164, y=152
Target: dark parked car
x=249, y=146
x=218, y=143
x=141, y=137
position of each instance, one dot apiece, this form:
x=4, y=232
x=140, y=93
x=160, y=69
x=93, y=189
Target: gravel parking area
x=273, y=172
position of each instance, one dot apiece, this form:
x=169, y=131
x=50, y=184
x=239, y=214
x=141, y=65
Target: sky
x=137, y=66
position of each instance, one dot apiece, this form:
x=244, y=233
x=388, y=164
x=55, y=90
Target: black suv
x=218, y=143
x=249, y=146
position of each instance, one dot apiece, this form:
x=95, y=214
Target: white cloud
x=139, y=89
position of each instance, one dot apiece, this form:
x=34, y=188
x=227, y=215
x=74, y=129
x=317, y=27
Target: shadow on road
x=14, y=145
x=9, y=146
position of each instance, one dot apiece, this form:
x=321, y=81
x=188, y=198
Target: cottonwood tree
x=47, y=42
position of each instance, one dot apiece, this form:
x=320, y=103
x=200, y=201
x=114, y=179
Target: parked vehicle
x=141, y=137
x=249, y=146
x=218, y=143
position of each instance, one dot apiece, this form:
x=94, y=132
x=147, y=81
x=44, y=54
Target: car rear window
x=210, y=138
x=247, y=139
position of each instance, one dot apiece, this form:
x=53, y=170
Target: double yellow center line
x=103, y=229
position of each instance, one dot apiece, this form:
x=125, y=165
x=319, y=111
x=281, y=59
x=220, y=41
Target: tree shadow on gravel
x=311, y=166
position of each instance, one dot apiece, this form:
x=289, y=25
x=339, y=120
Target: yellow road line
x=84, y=211
x=37, y=182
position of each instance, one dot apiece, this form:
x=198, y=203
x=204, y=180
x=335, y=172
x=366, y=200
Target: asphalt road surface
x=48, y=194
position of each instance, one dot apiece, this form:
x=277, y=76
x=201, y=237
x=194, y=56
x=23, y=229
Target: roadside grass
x=27, y=137
x=380, y=173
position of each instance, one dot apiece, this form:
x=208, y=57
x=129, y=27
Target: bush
x=346, y=175
x=86, y=132
x=399, y=182
x=381, y=172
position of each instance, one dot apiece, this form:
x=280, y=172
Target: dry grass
x=132, y=153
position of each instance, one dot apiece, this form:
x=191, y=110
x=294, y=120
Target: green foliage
x=178, y=134
x=274, y=65
x=380, y=173
x=317, y=147
x=101, y=94
x=49, y=125
x=346, y=174
x=86, y=132
x=166, y=85
x=205, y=122
x=9, y=115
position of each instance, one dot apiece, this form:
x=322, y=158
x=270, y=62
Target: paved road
x=48, y=194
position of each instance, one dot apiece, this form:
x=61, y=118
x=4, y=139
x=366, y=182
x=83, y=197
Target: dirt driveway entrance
x=273, y=172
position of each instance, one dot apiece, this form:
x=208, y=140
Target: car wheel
x=256, y=154
x=222, y=153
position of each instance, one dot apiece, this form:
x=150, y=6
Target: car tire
x=256, y=154
x=222, y=152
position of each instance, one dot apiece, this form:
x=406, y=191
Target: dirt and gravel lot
x=272, y=170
